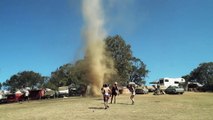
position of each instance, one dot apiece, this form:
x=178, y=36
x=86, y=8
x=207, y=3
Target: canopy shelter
x=154, y=82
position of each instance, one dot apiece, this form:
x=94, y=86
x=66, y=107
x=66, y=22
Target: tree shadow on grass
x=96, y=108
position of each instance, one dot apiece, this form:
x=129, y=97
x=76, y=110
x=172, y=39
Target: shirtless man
x=106, y=93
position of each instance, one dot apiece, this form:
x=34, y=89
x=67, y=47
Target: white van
x=63, y=91
x=166, y=82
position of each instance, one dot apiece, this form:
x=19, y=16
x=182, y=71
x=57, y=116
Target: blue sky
x=172, y=37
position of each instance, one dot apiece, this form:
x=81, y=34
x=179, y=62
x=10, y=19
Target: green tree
x=122, y=54
x=59, y=77
x=128, y=67
x=79, y=73
x=138, y=71
x=203, y=74
x=27, y=78
x=125, y=64
x=69, y=74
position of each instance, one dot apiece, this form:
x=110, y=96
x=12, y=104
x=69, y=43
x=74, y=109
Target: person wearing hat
x=115, y=92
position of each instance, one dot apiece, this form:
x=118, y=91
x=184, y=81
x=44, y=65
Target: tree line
x=128, y=68
x=203, y=74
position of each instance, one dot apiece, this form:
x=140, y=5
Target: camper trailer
x=166, y=82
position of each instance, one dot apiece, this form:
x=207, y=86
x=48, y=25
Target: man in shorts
x=106, y=94
x=132, y=90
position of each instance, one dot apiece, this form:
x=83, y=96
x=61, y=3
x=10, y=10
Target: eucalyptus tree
x=129, y=68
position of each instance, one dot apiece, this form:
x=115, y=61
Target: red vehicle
x=15, y=97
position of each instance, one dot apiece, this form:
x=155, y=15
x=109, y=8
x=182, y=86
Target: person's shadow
x=124, y=103
x=96, y=108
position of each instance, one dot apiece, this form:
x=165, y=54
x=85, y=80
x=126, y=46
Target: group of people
x=113, y=92
x=157, y=90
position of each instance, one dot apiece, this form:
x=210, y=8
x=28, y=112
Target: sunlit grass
x=189, y=106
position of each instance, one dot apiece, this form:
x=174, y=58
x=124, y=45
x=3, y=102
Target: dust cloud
x=100, y=65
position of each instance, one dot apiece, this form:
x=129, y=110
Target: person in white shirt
x=106, y=94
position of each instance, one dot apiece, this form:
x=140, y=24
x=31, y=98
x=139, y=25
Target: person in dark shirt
x=115, y=92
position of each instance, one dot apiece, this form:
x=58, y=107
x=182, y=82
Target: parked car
x=174, y=90
x=49, y=93
x=3, y=98
x=63, y=91
x=141, y=90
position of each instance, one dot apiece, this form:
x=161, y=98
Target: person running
x=132, y=90
x=115, y=92
x=106, y=93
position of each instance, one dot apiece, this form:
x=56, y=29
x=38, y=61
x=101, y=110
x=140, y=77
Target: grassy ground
x=189, y=106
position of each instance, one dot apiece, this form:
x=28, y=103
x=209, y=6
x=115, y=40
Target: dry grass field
x=189, y=106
